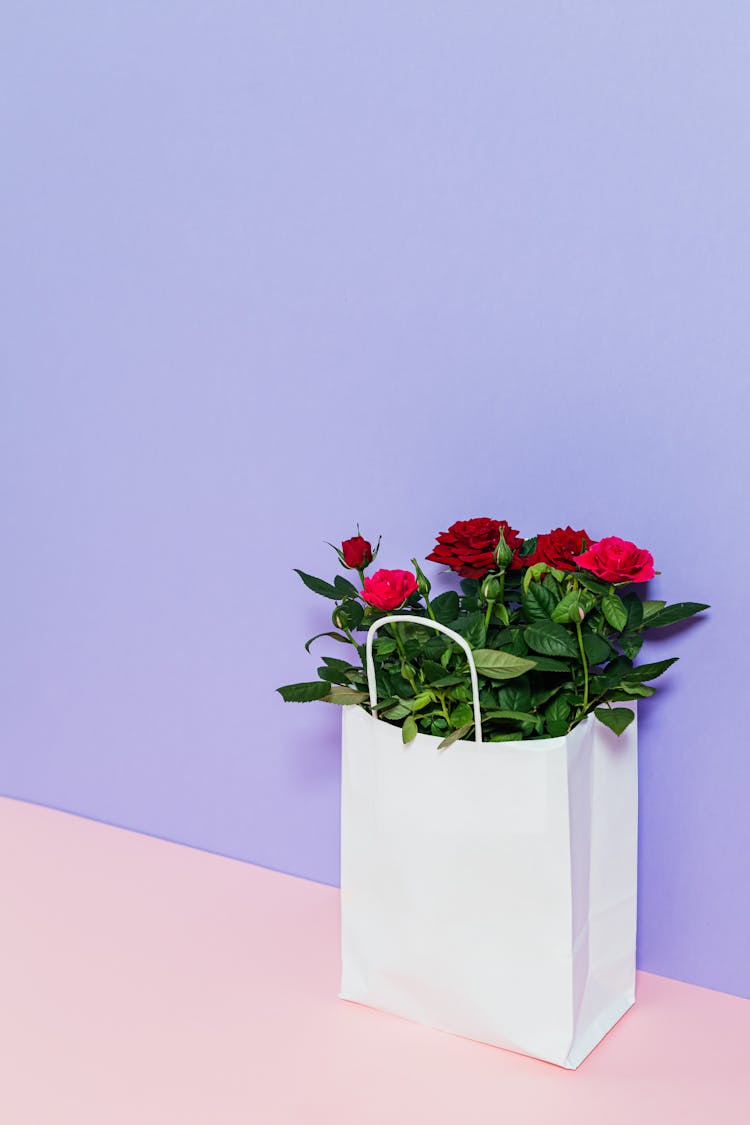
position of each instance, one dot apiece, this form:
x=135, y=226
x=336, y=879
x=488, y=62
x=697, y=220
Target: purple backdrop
x=270, y=269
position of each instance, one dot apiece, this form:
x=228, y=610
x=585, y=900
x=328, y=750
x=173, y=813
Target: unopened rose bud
x=423, y=583
x=491, y=590
x=339, y=618
x=503, y=554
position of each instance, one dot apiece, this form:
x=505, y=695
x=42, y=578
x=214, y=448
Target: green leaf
x=515, y=644
x=634, y=606
x=419, y=702
x=533, y=573
x=396, y=712
x=614, y=611
x=318, y=586
x=642, y=691
x=648, y=671
x=352, y=613
x=538, y=603
x=384, y=646
x=547, y=664
x=596, y=648
x=528, y=547
x=514, y=716
x=332, y=675
x=631, y=644
x=551, y=639
x=304, y=693
x=455, y=735
x=446, y=607
x=344, y=588
x=651, y=607
x=409, y=729
x=345, y=696
x=568, y=609
x=562, y=611
x=500, y=665
x=449, y=681
x=514, y=695
x=334, y=636
x=431, y=671
x=591, y=583
x=616, y=718
x=611, y=675
x=556, y=728
x=673, y=613
x=462, y=715
x=558, y=710
x=472, y=629
x=507, y=736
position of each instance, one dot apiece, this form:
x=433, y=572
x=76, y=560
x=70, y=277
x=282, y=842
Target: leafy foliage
x=550, y=647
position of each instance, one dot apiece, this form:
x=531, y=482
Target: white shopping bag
x=489, y=889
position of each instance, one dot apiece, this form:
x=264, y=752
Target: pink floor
x=144, y=983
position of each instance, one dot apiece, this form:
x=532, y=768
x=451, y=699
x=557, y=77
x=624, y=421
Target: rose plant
x=555, y=623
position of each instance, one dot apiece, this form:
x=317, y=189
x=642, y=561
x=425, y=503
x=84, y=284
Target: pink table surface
x=146, y=983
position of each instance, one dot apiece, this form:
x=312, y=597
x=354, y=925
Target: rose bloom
x=389, y=589
x=617, y=560
x=357, y=552
x=468, y=546
x=558, y=548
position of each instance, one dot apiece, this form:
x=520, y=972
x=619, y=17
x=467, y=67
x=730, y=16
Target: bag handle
x=412, y=619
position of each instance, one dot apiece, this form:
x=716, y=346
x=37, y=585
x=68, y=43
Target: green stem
x=585, y=663
x=429, y=607
x=402, y=653
x=441, y=697
x=488, y=614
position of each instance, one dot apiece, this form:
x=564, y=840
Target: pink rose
x=616, y=560
x=389, y=589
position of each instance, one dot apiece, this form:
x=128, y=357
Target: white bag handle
x=414, y=620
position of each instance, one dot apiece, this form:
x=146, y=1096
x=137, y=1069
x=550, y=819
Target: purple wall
x=274, y=268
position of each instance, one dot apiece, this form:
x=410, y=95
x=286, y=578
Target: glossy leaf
x=345, y=696
x=616, y=718
x=318, y=586
x=614, y=611
x=304, y=693
x=500, y=665
x=671, y=614
x=648, y=671
x=551, y=639
x=409, y=730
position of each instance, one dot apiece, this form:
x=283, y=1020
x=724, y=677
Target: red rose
x=468, y=546
x=389, y=589
x=558, y=548
x=357, y=552
x=617, y=560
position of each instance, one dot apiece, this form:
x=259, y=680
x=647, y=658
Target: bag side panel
x=607, y=930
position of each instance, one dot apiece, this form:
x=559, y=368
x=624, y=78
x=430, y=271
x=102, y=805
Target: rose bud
x=503, y=554
x=356, y=553
x=490, y=591
x=423, y=583
x=338, y=618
